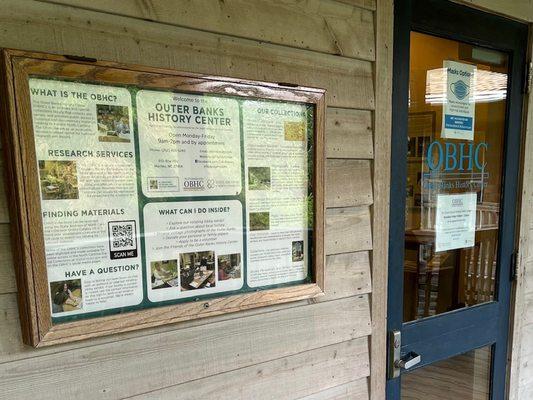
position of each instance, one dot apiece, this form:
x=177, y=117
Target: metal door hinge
x=514, y=265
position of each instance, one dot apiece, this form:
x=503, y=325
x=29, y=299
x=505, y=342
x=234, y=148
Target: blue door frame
x=456, y=332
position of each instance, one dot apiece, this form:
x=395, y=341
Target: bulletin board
x=142, y=197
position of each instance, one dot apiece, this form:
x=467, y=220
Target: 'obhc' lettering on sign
x=456, y=156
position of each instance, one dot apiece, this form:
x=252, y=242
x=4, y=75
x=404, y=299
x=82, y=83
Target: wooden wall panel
x=521, y=308
x=160, y=360
x=355, y=390
x=325, y=26
x=518, y=9
x=281, y=379
x=348, y=230
x=349, y=133
x=347, y=275
x=7, y=271
x=64, y=30
x=348, y=183
x=323, y=350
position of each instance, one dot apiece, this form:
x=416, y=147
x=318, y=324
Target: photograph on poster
x=297, y=251
x=295, y=131
x=259, y=221
x=66, y=296
x=229, y=266
x=258, y=178
x=59, y=180
x=113, y=123
x=164, y=274
x=197, y=270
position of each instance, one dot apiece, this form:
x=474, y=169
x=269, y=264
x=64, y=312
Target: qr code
x=122, y=235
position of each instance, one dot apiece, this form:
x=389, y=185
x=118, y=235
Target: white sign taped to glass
x=459, y=108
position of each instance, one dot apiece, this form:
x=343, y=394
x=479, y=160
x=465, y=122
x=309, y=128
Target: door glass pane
x=464, y=377
x=457, y=108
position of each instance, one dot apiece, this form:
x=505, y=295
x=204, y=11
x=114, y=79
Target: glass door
x=455, y=159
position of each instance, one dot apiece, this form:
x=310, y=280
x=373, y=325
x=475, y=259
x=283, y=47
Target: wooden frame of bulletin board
x=40, y=327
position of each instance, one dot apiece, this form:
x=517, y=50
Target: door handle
x=395, y=360
x=408, y=361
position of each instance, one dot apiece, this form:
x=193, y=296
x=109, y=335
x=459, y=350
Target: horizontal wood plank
x=282, y=379
x=349, y=133
x=346, y=275
x=64, y=30
x=7, y=269
x=176, y=357
x=4, y=211
x=348, y=230
x=355, y=390
x=368, y=4
x=518, y=9
x=321, y=25
x=348, y=183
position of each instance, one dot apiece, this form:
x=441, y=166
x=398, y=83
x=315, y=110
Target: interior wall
x=305, y=350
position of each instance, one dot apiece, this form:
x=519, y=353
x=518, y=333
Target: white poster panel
x=86, y=161
x=458, y=114
x=193, y=248
x=189, y=144
x=455, y=225
x=276, y=178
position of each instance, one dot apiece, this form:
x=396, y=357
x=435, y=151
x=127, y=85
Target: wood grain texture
x=282, y=379
x=355, y=390
x=17, y=204
x=382, y=168
x=347, y=275
x=521, y=10
x=176, y=357
x=4, y=210
x=369, y=4
x=521, y=308
x=62, y=30
x=7, y=268
x=348, y=230
x=349, y=134
x=348, y=183
x=321, y=25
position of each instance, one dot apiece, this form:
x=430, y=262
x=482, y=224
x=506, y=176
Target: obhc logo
x=193, y=184
x=456, y=156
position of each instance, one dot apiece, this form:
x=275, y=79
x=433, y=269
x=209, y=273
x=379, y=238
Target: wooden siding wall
x=304, y=350
x=521, y=368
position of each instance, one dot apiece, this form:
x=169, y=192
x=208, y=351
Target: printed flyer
x=193, y=248
x=455, y=226
x=459, y=109
x=190, y=144
x=275, y=140
x=87, y=174
x=152, y=197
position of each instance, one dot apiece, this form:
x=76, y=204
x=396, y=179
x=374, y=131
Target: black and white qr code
x=122, y=239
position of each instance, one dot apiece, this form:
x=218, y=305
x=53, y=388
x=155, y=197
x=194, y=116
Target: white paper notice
x=189, y=144
x=455, y=226
x=275, y=140
x=458, y=115
x=86, y=161
x=193, y=248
